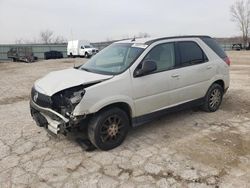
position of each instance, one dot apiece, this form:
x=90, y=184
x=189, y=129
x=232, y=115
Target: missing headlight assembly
x=65, y=101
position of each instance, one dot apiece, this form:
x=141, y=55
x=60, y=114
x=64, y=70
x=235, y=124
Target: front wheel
x=108, y=128
x=86, y=55
x=213, y=98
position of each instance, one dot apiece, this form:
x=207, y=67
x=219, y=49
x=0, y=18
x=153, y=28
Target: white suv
x=129, y=83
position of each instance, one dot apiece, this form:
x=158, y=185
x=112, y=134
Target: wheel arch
x=122, y=105
x=221, y=83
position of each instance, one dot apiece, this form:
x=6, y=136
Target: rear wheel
x=213, y=98
x=108, y=128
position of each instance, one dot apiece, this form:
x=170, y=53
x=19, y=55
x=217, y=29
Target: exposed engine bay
x=64, y=102
x=62, y=105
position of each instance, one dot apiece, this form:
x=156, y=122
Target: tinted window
x=215, y=47
x=191, y=53
x=163, y=55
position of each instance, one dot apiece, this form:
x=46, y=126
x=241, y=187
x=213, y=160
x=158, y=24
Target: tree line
x=45, y=37
x=240, y=12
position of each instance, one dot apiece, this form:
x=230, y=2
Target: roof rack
x=176, y=37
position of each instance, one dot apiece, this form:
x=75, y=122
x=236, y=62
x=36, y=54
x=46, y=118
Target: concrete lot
x=186, y=149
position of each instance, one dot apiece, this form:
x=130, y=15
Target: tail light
x=227, y=61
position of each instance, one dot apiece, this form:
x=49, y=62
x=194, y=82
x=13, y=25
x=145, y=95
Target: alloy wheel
x=215, y=98
x=111, y=129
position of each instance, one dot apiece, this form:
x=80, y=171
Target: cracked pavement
x=186, y=149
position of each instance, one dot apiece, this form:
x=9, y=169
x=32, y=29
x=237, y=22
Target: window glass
x=215, y=47
x=114, y=59
x=163, y=55
x=191, y=53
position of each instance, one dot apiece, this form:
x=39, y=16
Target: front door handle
x=175, y=76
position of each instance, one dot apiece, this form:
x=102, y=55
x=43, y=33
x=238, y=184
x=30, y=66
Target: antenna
x=133, y=39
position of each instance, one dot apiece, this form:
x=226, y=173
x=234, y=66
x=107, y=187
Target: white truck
x=80, y=48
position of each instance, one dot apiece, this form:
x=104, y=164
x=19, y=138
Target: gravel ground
x=187, y=149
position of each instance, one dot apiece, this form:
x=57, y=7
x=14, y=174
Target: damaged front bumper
x=50, y=119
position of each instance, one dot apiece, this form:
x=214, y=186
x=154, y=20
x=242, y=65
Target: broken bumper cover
x=48, y=118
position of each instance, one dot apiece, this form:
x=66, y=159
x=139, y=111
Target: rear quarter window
x=214, y=45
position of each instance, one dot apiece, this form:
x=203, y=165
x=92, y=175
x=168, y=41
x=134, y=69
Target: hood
x=91, y=49
x=60, y=80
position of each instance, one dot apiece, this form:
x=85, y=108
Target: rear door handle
x=175, y=76
x=209, y=67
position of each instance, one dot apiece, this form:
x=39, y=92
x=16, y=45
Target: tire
x=213, y=98
x=28, y=60
x=86, y=55
x=108, y=129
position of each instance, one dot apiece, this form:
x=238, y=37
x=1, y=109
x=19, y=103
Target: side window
x=163, y=55
x=191, y=53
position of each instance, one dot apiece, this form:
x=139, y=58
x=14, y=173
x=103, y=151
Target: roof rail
x=177, y=37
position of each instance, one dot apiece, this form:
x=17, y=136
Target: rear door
x=194, y=71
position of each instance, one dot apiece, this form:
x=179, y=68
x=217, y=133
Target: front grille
x=41, y=99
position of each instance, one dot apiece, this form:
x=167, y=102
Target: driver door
x=156, y=91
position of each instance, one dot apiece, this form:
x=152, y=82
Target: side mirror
x=146, y=68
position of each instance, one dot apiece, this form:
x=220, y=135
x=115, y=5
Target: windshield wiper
x=77, y=67
x=86, y=69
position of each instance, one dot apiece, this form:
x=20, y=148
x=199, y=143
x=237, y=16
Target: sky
x=101, y=20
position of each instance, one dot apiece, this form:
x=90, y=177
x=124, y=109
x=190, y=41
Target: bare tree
x=108, y=39
x=240, y=12
x=25, y=41
x=46, y=36
x=143, y=35
x=59, y=39
x=19, y=41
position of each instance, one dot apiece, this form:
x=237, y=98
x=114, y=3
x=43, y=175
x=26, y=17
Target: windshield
x=114, y=59
x=88, y=46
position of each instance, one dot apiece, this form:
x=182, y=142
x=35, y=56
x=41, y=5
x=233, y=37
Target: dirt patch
x=236, y=102
x=239, y=58
x=11, y=100
x=218, y=150
x=233, y=141
x=68, y=61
